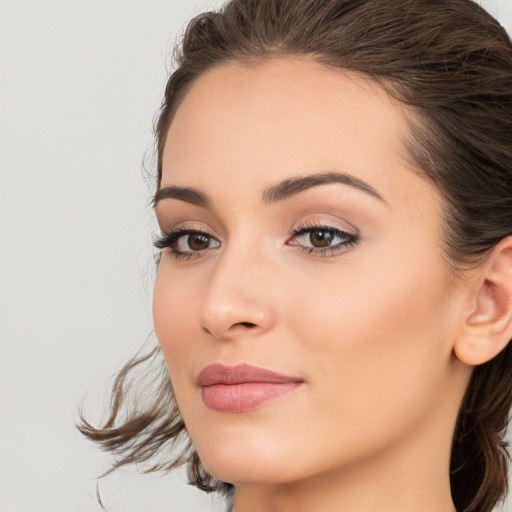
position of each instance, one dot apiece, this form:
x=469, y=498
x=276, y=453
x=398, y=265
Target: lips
x=243, y=387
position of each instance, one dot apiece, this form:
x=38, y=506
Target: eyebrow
x=294, y=186
x=189, y=195
x=284, y=190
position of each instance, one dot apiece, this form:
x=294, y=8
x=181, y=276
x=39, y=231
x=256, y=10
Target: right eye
x=186, y=243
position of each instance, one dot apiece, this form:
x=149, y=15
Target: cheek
x=175, y=321
x=173, y=315
x=380, y=341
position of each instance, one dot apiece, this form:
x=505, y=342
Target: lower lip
x=244, y=397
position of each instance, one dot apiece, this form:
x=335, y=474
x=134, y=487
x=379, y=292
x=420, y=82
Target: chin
x=247, y=472
x=250, y=461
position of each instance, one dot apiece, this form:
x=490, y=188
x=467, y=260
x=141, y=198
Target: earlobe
x=488, y=325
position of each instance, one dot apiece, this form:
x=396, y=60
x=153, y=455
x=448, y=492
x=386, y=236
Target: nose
x=238, y=300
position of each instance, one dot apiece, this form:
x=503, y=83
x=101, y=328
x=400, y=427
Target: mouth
x=243, y=387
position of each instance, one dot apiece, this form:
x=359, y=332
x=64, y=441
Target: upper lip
x=239, y=374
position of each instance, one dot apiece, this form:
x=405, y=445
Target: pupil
x=198, y=242
x=320, y=238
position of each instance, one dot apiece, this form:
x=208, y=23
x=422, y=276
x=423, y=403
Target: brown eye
x=321, y=237
x=185, y=244
x=193, y=242
x=322, y=240
x=198, y=241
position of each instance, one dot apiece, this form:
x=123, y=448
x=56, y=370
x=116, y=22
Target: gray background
x=80, y=83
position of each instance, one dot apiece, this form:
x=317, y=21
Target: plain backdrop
x=80, y=84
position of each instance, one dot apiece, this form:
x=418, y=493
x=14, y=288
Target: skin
x=370, y=329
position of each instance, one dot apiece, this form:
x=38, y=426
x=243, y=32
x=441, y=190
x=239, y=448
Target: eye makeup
x=317, y=238
x=186, y=243
x=312, y=238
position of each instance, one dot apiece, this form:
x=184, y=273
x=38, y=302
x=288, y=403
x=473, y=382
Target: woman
x=334, y=295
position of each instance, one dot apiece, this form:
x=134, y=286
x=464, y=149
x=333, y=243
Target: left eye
x=322, y=239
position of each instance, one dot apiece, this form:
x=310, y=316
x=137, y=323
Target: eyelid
x=322, y=222
x=177, y=233
x=166, y=226
x=169, y=237
x=349, y=238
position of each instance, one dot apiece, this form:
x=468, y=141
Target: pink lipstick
x=242, y=387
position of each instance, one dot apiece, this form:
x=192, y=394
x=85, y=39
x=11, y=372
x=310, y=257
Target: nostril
x=246, y=324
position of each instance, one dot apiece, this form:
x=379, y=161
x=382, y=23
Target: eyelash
x=169, y=240
x=349, y=239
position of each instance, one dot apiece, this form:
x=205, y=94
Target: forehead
x=264, y=122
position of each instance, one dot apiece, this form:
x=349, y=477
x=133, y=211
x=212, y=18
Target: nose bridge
x=238, y=294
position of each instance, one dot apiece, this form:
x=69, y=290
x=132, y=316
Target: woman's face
x=302, y=242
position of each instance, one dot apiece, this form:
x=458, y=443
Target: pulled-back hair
x=451, y=63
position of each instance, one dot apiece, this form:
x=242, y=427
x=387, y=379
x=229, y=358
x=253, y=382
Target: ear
x=488, y=323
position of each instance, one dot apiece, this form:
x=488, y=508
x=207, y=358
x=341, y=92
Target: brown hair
x=451, y=63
